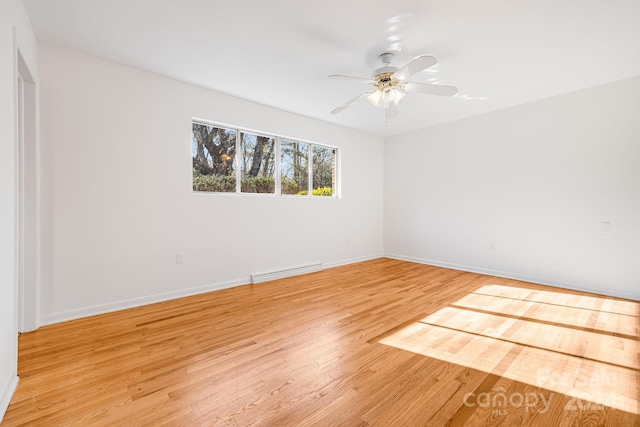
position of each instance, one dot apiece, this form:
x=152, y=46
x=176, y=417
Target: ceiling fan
x=390, y=86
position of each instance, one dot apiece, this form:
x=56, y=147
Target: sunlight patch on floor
x=590, y=352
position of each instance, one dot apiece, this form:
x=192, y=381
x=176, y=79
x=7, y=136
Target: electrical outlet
x=179, y=258
x=492, y=245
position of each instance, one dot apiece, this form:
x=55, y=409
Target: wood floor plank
x=376, y=343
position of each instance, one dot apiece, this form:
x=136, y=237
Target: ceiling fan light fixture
x=375, y=97
x=382, y=98
x=388, y=95
x=398, y=96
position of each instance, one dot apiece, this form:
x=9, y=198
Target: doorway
x=27, y=250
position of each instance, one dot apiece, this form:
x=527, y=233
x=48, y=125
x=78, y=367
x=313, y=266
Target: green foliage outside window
x=221, y=156
x=321, y=191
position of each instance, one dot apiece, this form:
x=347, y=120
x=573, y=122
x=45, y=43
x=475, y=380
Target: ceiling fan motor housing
x=383, y=70
x=386, y=59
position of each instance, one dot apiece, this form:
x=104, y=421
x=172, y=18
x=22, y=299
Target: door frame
x=27, y=203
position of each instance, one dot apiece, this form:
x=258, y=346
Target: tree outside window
x=233, y=161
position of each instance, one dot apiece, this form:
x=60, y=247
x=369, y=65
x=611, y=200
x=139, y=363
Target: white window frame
x=277, y=162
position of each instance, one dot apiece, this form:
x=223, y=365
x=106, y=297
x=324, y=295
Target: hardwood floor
x=383, y=342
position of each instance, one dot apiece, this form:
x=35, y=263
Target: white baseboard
x=64, y=316
x=511, y=275
x=7, y=394
x=93, y=310
x=136, y=302
x=332, y=264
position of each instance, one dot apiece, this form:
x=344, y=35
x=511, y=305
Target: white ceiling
x=279, y=52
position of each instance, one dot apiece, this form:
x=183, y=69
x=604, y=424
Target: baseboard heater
x=265, y=276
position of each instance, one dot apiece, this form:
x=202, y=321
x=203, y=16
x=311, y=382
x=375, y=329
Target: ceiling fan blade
x=419, y=64
x=441, y=90
x=351, y=102
x=350, y=78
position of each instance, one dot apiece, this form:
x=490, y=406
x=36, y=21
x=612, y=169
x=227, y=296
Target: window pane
x=213, y=150
x=257, y=164
x=323, y=171
x=294, y=165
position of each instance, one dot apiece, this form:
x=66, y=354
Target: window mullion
x=277, y=175
x=310, y=163
x=238, y=166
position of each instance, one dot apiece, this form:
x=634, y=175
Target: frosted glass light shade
x=374, y=98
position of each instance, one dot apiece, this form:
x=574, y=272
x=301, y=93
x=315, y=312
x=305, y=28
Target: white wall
x=122, y=206
x=15, y=32
x=537, y=180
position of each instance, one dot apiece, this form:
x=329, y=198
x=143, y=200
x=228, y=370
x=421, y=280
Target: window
x=263, y=164
x=294, y=167
x=214, y=151
x=323, y=170
x=258, y=163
